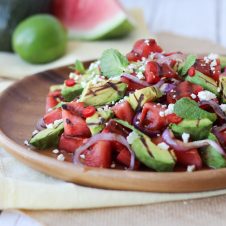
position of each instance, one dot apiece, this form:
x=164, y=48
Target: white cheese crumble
x=49, y=109
x=73, y=76
x=162, y=113
x=170, y=109
x=212, y=56
x=193, y=96
x=60, y=157
x=26, y=142
x=206, y=95
x=223, y=107
x=55, y=151
x=35, y=132
x=163, y=146
x=54, y=124
x=140, y=75
x=82, y=156
x=185, y=137
x=190, y=168
x=94, y=65
x=132, y=136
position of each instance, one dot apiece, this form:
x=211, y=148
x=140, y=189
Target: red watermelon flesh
x=92, y=19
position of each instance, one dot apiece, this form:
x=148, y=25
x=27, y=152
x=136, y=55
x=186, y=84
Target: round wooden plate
x=22, y=104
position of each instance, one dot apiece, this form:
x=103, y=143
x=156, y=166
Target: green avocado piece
x=47, y=138
x=189, y=109
x=69, y=93
x=222, y=83
x=198, y=129
x=222, y=61
x=103, y=93
x=204, y=81
x=211, y=157
x=189, y=62
x=141, y=96
x=148, y=153
x=96, y=121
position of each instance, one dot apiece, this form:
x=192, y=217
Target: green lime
x=40, y=39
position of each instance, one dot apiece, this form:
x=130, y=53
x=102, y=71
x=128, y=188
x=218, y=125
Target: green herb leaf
x=112, y=63
x=189, y=62
x=78, y=67
x=189, y=109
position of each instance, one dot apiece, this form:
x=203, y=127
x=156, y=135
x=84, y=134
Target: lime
x=40, y=39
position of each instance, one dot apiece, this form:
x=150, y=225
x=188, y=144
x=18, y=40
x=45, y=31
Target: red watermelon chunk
x=92, y=20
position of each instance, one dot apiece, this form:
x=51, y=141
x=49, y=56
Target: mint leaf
x=112, y=63
x=189, y=62
x=189, y=109
x=78, y=66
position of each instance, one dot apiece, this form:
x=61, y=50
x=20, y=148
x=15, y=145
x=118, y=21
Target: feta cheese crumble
x=223, y=107
x=60, y=157
x=35, y=132
x=206, y=95
x=190, y=168
x=55, y=151
x=185, y=137
x=169, y=109
x=193, y=96
x=140, y=75
x=132, y=136
x=163, y=146
x=54, y=124
x=162, y=113
x=82, y=156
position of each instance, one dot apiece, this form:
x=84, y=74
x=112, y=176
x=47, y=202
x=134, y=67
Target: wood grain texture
x=22, y=104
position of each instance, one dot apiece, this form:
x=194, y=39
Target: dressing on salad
x=148, y=110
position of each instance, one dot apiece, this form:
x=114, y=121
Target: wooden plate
x=22, y=104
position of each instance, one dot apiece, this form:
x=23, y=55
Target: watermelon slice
x=92, y=20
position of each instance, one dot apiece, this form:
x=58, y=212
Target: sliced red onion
x=136, y=80
x=215, y=106
x=160, y=83
x=217, y=130
x=178, y=145
x=40, y=124
x=104, y=137
x=167, y=87
x=162, y=59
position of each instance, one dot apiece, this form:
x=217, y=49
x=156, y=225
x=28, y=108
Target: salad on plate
x=148, y=110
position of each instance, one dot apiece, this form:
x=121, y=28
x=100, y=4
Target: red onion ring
x=178, y=145
x=136, y=80
x=104, y=137
x=162, y=59
x=167, y=87
x=215, y=107
x=40, y=124
x=217, y=131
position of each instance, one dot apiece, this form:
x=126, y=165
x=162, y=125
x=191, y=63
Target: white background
x=205, y=19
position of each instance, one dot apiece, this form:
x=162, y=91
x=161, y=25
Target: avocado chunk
x=211, y=157
x=47, y=138
x=141, y=96
x=96, y=121
x=69, y=93
x=103, y=93
x=222, y=61
x=222, y=83
x=204, y=81
x=147, y=152
x=198, y=129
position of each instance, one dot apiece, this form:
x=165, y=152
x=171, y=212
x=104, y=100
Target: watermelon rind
x=117, y=27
